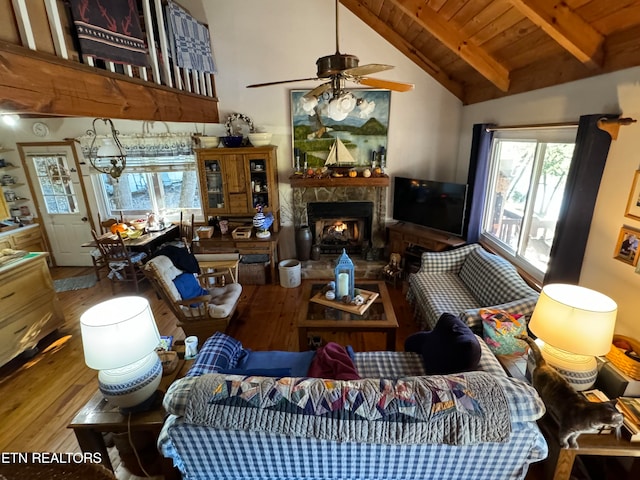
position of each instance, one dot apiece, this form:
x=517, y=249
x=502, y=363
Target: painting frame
x=627, y=245
x=314, y=135
x=633, y=203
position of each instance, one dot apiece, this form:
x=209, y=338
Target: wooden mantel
x=39, y=83
x=299, y=181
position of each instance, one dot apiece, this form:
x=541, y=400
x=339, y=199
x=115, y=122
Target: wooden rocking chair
x=202, y=315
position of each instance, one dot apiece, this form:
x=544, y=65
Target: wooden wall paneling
x=8, y=26
x=70, y=89
x=615, y=21
x=40, y=26
x=623, y=50
x=469, y=13
x=497, y=21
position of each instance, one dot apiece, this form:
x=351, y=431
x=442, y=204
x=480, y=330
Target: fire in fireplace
x=338, y=225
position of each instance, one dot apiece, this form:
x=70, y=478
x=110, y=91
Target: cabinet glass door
x=215, y=186
x=259, y=182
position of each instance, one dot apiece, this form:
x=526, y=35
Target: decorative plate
x=234, y=124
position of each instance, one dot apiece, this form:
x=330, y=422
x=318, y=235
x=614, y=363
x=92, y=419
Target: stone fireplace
x=343, y=202
x=340, y=225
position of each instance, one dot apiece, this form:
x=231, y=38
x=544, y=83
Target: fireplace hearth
x=371, y=235
x=340, y=225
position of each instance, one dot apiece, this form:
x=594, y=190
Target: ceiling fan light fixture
x=337, y=109
x=366, y=108
x=309, y=104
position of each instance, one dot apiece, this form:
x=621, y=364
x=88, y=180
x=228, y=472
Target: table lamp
x=575, y=324
x=120, y=337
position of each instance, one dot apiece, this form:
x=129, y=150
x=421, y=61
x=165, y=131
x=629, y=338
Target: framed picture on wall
x=627, y=245
x=361, y=132
x=633, y=204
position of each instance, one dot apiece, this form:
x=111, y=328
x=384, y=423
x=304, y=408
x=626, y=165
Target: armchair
x=211, y=307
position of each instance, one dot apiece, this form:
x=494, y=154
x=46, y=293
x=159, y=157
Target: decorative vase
x=315, y=252
x=303, y=242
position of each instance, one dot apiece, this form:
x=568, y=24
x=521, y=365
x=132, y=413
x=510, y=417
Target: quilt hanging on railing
x=189, y=40
x=110, y=30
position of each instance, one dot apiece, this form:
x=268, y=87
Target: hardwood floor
x=42, y=394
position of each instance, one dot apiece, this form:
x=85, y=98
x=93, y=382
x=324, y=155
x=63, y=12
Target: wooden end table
x=314, y=317
x=561, y=460
x=98, y=417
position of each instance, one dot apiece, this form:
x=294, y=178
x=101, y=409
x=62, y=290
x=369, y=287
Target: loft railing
x=45, y=27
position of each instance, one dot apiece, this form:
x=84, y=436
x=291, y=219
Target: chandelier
x=109, y=157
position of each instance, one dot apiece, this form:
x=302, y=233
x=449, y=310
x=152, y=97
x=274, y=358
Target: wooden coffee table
x=314, y=317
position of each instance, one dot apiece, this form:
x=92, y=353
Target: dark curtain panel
x=477, y=180
x=583, y=182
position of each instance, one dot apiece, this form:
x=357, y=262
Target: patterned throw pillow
x=219, y=352
x=499, y=331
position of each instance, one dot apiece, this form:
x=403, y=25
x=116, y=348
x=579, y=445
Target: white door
x=54, y=173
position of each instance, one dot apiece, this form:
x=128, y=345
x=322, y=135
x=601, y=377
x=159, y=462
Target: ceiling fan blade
x=256, y=85
x=367, y=69
x=387, y=84
x=319, y=90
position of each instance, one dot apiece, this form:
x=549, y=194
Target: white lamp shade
x=108, y=149
x=574, y=319
x=118, y=332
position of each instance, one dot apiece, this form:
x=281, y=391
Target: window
x=55, y=183
x=526, y=186
x=162, y=184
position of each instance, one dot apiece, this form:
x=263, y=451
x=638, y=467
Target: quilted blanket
x=459, y=409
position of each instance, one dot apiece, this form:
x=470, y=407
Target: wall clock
x=40, y=129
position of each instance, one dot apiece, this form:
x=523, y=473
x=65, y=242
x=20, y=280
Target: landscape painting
x=363, y=131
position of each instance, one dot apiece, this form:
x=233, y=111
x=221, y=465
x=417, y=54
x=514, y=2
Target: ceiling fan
x=341, y=67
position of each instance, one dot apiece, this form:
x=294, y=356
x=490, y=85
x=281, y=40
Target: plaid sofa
x=203, y=452
x=464, y=280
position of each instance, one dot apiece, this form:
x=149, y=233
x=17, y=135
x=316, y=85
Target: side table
x=560, y=461
x=98, y=417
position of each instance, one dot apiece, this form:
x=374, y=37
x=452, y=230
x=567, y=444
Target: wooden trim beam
x=386, y=32
x=41, y=84
x=475, y=56
x=567, y=28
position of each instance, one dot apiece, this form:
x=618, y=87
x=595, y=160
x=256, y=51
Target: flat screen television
x=437, y=205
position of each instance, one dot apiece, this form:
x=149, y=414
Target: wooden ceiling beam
x=384, y=30
x=475, y=56
x=567, y=28
x=66, y=88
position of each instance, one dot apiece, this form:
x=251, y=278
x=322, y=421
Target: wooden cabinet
x=233, y=181
x=29, y=307
x=403, y=236
x=27, y=238
x=4, y=207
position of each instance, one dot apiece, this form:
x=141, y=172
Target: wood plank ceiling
x=485, y=49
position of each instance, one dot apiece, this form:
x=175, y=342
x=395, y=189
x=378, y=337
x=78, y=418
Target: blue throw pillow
x=297, y=362
x=188, y=286
x=451, y=347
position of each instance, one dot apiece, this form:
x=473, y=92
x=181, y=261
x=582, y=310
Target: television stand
x=411, y=240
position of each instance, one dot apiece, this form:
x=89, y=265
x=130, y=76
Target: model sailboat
x=339, y=155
